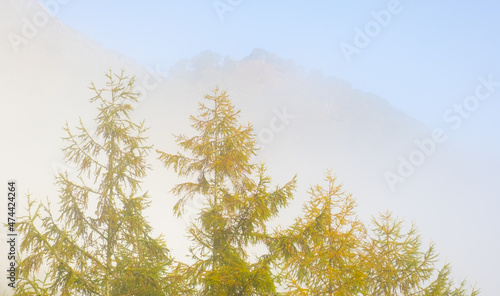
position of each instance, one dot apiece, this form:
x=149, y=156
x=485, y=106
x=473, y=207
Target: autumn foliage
x=100, y=243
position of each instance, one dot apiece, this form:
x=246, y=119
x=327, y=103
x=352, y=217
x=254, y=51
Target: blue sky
x=424, y=59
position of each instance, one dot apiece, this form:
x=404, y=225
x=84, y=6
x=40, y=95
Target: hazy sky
x=421, y=56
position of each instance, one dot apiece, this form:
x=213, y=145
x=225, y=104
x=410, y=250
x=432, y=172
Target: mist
x=441, y=173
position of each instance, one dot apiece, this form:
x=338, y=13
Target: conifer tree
x=322, y=250
x=328, y=251
x=100, y=243
x=395, y=263
x=237, y=201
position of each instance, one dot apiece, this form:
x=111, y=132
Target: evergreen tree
x=236, y=207
x=101, y=243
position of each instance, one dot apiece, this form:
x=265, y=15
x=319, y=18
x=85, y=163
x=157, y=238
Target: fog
x=440, y=170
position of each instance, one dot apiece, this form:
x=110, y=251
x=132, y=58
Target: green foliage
x=237, y=197
x=100, y=244
x=396, y=264
x=321, y=251
x=329, y=252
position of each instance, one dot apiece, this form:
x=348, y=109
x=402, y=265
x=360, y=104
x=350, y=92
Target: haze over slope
x=305, y=122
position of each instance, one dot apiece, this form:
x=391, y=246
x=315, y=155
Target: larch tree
x=100, y=243
x=328, y=251
x=321, y=252
x=238, y=201
x=395, y=263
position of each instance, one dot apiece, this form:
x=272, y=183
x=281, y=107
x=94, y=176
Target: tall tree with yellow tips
x=321, y=251
x=395, y=263
x=101, y=242
x=328, y=251
x=237, y=201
